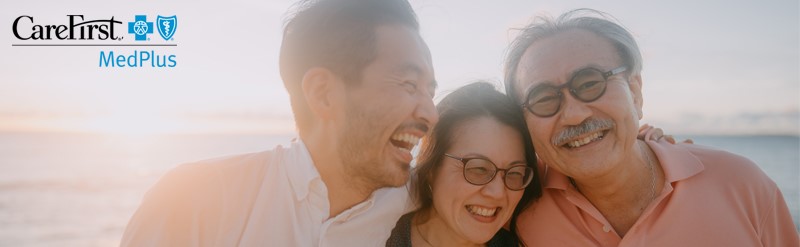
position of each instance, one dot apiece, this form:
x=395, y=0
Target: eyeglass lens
x=479, y=172
x=587, y=85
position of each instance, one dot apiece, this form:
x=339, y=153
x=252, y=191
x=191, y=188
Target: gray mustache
x=588, y=126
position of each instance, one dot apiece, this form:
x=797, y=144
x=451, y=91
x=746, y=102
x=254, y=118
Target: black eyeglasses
x=586, y=85
x=479, y=171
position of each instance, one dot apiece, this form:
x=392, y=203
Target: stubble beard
x=360, y=149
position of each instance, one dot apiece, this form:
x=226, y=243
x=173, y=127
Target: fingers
x=643, y=130
x=644, y=127
x=657, y=134
x=670, y=139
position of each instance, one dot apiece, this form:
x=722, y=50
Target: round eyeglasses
x=479, y=171
x=586, y=85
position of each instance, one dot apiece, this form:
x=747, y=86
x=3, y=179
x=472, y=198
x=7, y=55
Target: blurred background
x=81, y=144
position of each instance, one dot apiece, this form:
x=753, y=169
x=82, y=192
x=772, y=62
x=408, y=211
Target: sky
x=710, y=67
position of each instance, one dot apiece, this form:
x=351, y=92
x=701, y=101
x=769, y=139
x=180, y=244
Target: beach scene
x=84, y=191
x=81, y=141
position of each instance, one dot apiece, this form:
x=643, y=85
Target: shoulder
x=201, y=181
x=729, y=167
x=401, y=234
x=736, y=190
x=503, y=237
x=172, y=210
x=707, y=165
x=232, y=166
x=712, y=156
x=728, y=177
x=205, y=175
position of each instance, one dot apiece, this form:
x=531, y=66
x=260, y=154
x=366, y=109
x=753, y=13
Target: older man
x=361, y=86
x=578, y=78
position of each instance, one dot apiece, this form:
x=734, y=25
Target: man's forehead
x=558, y=57
x=395, y=41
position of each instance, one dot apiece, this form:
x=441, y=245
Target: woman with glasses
x=476, y=171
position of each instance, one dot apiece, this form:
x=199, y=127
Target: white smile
x=482, y=211
x=405, y=142
x=586, y=140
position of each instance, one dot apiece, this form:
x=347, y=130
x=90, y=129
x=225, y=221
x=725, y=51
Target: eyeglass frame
x=572, y=91
x=496, y=171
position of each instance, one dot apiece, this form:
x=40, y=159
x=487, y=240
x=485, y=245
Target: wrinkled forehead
x=554, y=59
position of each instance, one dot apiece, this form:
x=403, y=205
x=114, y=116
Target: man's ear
x=635, y=85
x=320, y=87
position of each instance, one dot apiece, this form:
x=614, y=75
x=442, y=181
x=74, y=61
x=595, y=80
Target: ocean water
x=81, y=189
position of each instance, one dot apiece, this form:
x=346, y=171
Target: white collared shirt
x=271, y=198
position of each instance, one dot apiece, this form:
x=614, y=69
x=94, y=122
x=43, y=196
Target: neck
x=617, y=185
x=623, y=194
x=344, y=191
x=435, y=232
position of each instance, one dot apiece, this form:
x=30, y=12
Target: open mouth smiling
x=579, y=142
x=482, y=211
x=405, y=141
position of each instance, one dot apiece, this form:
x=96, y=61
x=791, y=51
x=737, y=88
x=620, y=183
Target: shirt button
x=606, y=228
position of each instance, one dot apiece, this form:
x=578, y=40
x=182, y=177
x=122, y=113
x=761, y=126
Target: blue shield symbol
x=167, y=26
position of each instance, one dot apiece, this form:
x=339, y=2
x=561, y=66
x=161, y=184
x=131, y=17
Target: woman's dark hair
x=475, y=100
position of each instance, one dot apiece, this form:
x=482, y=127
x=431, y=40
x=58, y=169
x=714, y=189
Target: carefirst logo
x=86, y=30
x=76, y=30
x=140, y=27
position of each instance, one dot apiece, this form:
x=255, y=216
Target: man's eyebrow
x=406, y=68
x=570, y=75
x=541, y=84
x=587, y=66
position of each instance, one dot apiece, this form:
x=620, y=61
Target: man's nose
x=573, y=111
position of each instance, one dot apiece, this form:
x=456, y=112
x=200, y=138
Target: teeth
x=585, y=140
x=407, y=138
x=487, y=212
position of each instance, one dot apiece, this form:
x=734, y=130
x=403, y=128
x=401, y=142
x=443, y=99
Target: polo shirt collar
x=677, y=162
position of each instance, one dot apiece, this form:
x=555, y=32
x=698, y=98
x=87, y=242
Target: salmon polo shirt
x=710, y=198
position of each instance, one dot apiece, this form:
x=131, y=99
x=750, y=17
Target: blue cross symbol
x=140, y=27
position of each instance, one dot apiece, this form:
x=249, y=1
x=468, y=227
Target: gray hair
x=591, y=20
